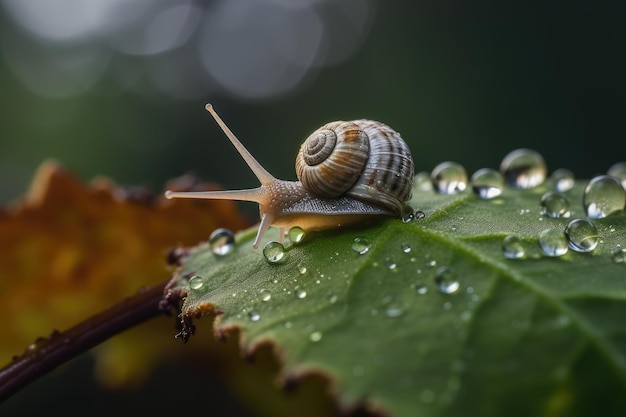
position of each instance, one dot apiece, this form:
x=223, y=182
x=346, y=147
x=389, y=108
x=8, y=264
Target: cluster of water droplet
x=603, y=196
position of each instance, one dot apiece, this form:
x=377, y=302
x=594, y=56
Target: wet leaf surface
x=429, y=317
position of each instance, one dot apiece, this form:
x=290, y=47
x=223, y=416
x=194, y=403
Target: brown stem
x=47, y=353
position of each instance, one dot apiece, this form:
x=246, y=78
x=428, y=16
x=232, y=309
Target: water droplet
x=361, y=245
x=300, y=292
x=618, y=171
x=390, y=263
x=333, y=299
x=265, y=295
x=582, y=235
x=446, y=280
x=562, y=180
x=422, y=182
x=296, y=234
x=552, y=242
x=419, y=215
x=555, y=205
x=196, y=282
x=420, y=287
x=274, y=252
x=408, y=216
x=302, y=269
x=619, y=255
x=523, y=168
x=512, y=247
x=222, y=242
x=254, y=316
x=449, y=178
x=406, y=248
x=487, y=183
x=393, y=311
x=604, y=195
x=315, y=336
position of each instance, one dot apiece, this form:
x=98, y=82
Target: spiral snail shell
x=347, y=171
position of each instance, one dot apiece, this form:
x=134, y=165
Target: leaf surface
x=532, y=336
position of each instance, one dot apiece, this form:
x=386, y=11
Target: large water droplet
x=523, y=168
x=512, y=247
x=449, y=178
x=296, y=234
x=361, y=245
x=196, y=282
x=555, y=204
x=222, y=242
x=446, y=280
x=406, y=247
x=619, y=255
x=618, y=171
x=274, y=252
x=562, y=180
x=582, y=235
x=487, y=183
x=254, y=316
x=553, y=242
x=604, y=195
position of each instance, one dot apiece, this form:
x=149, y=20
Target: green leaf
x=540, y=336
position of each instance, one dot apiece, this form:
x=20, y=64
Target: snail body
x=347, y=171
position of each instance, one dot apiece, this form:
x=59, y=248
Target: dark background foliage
x=460, y=81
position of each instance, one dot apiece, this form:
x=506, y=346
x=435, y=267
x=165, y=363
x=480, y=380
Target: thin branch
x=48, y=353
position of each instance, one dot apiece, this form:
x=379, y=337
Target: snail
x=347, y=170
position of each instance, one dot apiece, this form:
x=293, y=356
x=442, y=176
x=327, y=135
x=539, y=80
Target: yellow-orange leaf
x=70, y=250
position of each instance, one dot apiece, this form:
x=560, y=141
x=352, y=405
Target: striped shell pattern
x=363, y=159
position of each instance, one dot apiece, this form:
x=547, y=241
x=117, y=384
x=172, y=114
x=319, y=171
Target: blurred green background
x=118, y=88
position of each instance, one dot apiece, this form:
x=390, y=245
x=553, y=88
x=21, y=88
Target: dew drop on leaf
x=523, y=168
x=390, y=263
x=406, y=247
x=603, y=196
x=582, y=235
x=274, y=252
x=512, y=247
x=222, y=242
x=254, y=316
x=618, y=171
x=562, y=180
x=619, y=255
x=419, y=287
x=449, y=178
x=446, y=280
x=553, y=243
x=196, y=282
x=300, y=292
x=265, y=295
x=555, y=205
x=361, y=245
x=422, y=182
x=296, y=234
x=487, y=183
